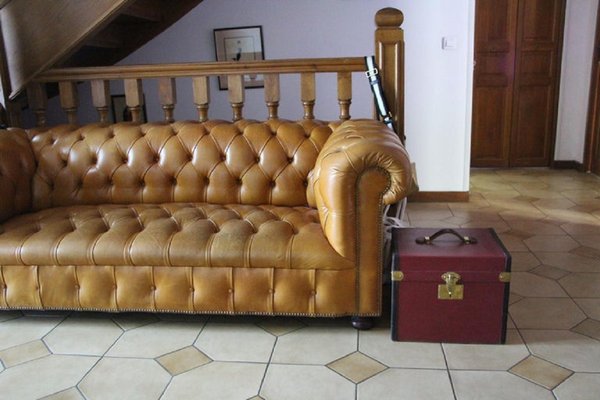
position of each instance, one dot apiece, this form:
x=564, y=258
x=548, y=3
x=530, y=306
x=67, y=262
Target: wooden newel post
x=389, y=55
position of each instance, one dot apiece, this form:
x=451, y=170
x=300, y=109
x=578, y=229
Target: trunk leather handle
x=430, y=239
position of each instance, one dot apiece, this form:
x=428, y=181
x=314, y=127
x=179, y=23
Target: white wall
x=578, y=48
x=438, y=82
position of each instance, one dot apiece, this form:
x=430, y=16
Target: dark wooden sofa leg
x=362, y=323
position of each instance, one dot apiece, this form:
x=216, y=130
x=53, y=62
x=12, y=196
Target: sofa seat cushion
x=172, y=234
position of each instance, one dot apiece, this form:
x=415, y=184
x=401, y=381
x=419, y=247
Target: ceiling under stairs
x=42, y=34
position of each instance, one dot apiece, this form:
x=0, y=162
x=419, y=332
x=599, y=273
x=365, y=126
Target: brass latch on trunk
x=451, y=290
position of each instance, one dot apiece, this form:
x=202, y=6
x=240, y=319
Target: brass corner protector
x=397, y=276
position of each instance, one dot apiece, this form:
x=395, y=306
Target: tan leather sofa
x=276, y=218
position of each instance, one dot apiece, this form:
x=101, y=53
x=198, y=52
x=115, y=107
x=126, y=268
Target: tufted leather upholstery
x=248, y=217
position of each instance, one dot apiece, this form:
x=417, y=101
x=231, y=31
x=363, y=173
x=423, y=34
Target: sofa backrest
x=246, y=162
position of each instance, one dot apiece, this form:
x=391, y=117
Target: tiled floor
x=549, y=220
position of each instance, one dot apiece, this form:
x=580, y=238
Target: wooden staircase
x=41, y=34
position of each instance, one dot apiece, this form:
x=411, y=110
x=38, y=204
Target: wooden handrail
x=389, y=50
x=287, y=66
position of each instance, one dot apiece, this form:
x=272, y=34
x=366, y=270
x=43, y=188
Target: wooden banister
x=389, y=54
x=389, y=50
x=288, y=66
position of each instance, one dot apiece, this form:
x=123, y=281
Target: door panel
x=517, y=71
x=535, y=96
x=495, y=25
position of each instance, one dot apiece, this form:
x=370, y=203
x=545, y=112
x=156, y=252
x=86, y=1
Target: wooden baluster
x=344, y=88
x=389, y=54
x=38, y=102
x=101, y=98
x=134, y=98
x=13, y=111
x=201, y=96
x=308, y=93
x=272, y=95
x=168, y=97
x=236, y=95
x=69, y=100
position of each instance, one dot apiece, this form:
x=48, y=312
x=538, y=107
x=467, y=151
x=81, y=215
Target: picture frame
x=243, y=43
x=119, y=111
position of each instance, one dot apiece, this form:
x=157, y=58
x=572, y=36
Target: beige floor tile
x=83, y=336
x=183, y=360
x=434, y=224
x=301, y=382
x=44, y=376
x=357, y=367
x=498, y=226
x=23, y=353
x=530, y=285
x=482, y=215
x=514, y=298
x=235, y=342
x=487, y=357
x=478, y=385
x=69, y=394
x=128, y=321
x=513, y=243
x=549, y=272
x=587, y=252
x=589, y=327
x=407, y=384
x=546, y=313
x=26, y=329
x=125, y=378
x=314, y=345
x=584, y=284
x=500, y=195
x=217, y=380
x=581, y=229
x=377, y=344
x=519, y=212
x=541, y=372
x=523, y=260
x=567, y=349
x=592, y=241
x=567, y=215
x=536, y=227
x=569, y=261
x=579, y=387
x=551, y=243
x=554, y=204
x=429, y=214
x=154, y=340
x=538, y=194
x=580, y=195
x=591, y=307
x=280, y=326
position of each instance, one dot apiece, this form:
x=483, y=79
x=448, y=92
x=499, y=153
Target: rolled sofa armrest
x=362, y=167
x=17, y=166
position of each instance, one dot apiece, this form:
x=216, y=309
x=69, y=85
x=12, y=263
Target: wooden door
x=517, y=72
x=495, y=32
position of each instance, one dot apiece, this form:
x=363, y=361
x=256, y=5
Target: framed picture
x=240, y=44
x=119, y=109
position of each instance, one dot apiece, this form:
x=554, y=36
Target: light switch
x=449, y=43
